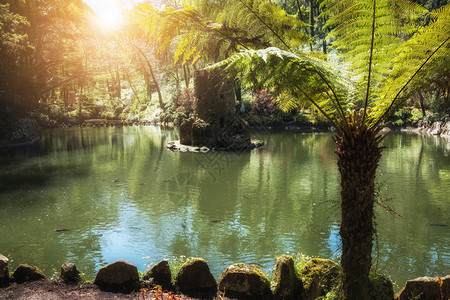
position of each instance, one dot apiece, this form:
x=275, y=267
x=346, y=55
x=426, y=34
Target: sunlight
x=110, y=17
x=109, y=12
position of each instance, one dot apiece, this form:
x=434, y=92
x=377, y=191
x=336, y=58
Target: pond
x=95, y=195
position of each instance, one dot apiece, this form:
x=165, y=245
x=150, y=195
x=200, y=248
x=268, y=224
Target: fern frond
x=352, y=24
x=366, y=34
x=423, y=57
x=265, y=18
x=307, y=78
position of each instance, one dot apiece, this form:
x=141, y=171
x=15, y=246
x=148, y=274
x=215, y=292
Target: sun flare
x=109, y=13
x=110, y=17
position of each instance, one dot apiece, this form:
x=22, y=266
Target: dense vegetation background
x=352, y=64
x=58, y=65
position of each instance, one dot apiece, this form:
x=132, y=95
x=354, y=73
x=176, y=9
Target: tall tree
x=14, y=47
x=55, y=28
x=367, y=33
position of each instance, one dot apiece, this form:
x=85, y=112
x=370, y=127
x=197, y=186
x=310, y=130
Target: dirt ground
x=56, y=290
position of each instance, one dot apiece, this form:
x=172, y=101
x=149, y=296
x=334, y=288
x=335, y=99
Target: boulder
x=186, y=132
x=287, y=284
x=25, y=273
x=285, y=281
x=426, y=288
x=380, y=287
x=4, y=273
x=446, y=129
x=120, y=276
x=203, y=133
x=159, y=274
x=70, y=273
x=319, y=276
x=195, y=278
x=436, y=128
x=245, y=281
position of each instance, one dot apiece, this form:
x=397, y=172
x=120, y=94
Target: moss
x=195, y=278
x=245, y=280
x=319, y=277
x=380, y=287
x=25, y=273
x=285, y=282
x=251, y=270
x=159, y=274
x=70, y=273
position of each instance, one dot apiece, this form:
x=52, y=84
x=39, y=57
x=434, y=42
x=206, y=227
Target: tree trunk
x=311, y=22
x=186, y=77
x=422, y=104
x=130, y=82
x=357, y=162
x=148, y=85
x=144, y=57
x=119, y=83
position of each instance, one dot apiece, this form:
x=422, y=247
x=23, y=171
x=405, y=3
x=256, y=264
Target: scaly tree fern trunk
x=358, y=157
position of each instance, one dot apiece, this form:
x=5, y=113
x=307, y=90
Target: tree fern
x=424, y=56
x=366, y=33
x=385, y=64
x=265, y=18
x=212, y=33
x=307, y=78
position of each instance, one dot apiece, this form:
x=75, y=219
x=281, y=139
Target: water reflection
x=123, y=195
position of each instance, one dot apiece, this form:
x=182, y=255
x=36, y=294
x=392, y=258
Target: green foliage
x=440, y=107
x=175, y=264
x=13, y=38
x=208, y=31
x=420, y=60
x=265, y=19
x=309, y=78
x=300, y=261
x=305, y=77
x=14, y=45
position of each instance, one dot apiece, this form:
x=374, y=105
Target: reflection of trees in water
x=412, y=169
x=262, y=203
x=254, y=207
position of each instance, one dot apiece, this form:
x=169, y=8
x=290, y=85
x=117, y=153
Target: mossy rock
x=25, y=273
x=160, y=275
x=195, y=278
x=319, y=276
x=380, y=287
x=120, y=276
x=202, y=133
x=4, y=273
x=425, y=288
x=245, y=281
x=286, y=283
x=70, y=273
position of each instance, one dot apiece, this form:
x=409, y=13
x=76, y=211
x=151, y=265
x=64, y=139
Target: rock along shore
x=316, y=279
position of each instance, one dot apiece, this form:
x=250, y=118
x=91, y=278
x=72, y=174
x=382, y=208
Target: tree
x=14, y=46
x=356, y=101
x=209, y=33
x=53, y=33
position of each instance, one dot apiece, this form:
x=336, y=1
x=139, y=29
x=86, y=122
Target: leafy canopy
x=386, y=47
x=215, y=30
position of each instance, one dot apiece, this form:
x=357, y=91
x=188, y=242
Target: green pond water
x=123, y=195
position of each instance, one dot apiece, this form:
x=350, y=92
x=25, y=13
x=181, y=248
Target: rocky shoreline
x=317, y=278
x=27, y=131
x=437, y=129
